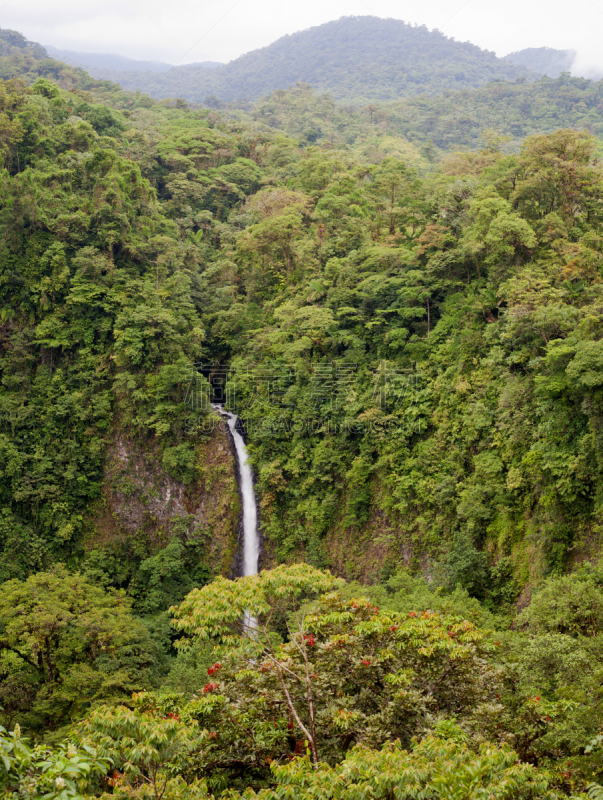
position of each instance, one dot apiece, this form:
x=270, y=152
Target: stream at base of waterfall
x=251, y=538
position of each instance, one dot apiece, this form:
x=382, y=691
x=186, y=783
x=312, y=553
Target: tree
x=556, y=173
x=568, y=604
x=436, y=768
x=391, y=179
x=150, y=752
x=498, y=235
x=72, y=644
x=251, y=605
x=346, y=672
x=282, y=219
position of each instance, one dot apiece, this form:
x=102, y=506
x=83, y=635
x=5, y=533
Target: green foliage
x=517, y=109
x=415, y=351
x=443, y=373
x=459, y=306
x=166, y=577
x=149, y=751
x=569, y=604
x=65, y=645
x=212, y=611
x=179, y=462
x=188, y=670
x=434, y=768
x=347, y=671
x=38, y=772
x=353, y=685
x=97, y=320
x=467, y=567
x=29, y=61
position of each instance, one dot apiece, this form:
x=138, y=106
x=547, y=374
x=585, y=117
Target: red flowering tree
x=346, y=672
x=240, y=617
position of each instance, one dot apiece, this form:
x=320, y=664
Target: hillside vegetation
x=332, y=696
x=414, y=343
x=454, y=120
x=357, y=59
x=20, y=58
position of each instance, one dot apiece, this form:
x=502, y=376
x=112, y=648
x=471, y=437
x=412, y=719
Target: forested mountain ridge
x=357, y=59
x=283, y=254
x=414, y=343
x=20, y=58
x=324, y=221
x=450, y=120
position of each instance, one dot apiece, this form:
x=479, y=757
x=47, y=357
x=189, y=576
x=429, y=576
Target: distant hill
x=357, y=59
x=104, y=60
x=97, y=64
x=545, y=60
x=20, y=58
x=13, y=43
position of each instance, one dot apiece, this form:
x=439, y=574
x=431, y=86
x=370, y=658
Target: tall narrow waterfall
x=251, y=539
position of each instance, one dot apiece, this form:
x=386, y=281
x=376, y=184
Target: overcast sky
x=182, y=31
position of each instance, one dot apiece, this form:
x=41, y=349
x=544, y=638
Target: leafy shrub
x=180, y=463
x=466, y=566
x=43, y=773
x=569, y=604
x=70, y=644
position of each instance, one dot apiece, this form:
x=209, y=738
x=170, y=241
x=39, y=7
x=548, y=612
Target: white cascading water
x=251, y=539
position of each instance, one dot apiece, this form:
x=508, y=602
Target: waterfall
x=251, y=538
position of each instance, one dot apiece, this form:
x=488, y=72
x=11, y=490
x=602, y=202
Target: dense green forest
x=432, y=126
x=411, y=334
x=358, y=59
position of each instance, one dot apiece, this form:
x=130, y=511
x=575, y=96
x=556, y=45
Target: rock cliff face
x=143, y=508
